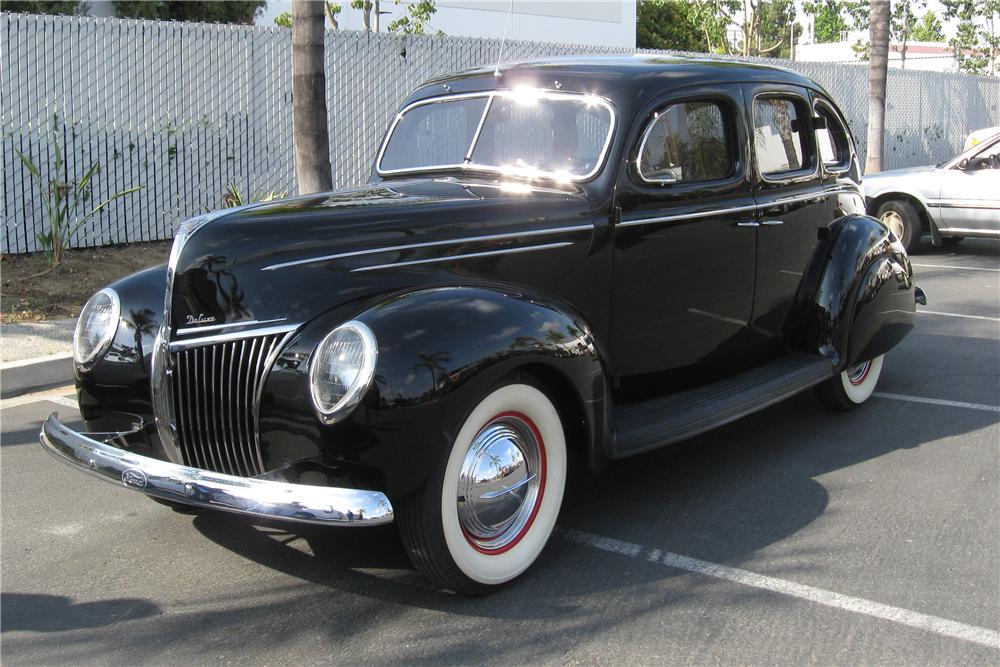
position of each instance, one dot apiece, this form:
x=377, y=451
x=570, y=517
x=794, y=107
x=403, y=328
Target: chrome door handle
x=772, y=223
x=748, y=223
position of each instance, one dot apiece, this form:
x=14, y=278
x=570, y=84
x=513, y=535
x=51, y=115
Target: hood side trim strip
x=471, y=255
x=431, y=244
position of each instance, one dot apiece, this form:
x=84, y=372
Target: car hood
x=881, y=179
x=293, y=259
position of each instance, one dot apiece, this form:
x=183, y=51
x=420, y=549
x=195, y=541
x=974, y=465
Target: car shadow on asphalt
x=720, y=497
x=55, y=613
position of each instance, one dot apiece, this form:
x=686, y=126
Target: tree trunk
x=309, y=120
x=878, y=66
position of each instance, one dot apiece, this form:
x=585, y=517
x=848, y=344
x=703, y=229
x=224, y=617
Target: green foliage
x=332, y=10
x=65, y=7
x=976, y=42
x=831, y=19
x=668, y=25
x=414, y=22
x=222, y=11
x=775, y=21
x=233, y=196
x=283, y=20
x=928, y=29
x=65, y=201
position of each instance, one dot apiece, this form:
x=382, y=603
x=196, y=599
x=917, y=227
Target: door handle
x=748, y=223
x=772, y=223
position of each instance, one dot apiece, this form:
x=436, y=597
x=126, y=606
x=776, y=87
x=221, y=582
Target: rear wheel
x=904, y=220
x=851, y=388
x=487, y=511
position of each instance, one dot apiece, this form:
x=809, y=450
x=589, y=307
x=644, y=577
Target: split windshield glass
x=531, y=133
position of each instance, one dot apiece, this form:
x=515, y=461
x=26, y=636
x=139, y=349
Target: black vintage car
x=575, y=260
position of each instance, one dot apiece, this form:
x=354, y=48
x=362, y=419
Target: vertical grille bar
x=215, y=390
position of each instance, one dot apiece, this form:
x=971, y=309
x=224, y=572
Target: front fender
x=864, y=302
x=440, y=350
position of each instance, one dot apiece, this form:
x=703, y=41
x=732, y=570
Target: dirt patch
x=29, y=297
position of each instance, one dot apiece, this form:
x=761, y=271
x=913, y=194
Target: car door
x=684, y=239
x=791, y=204
x=970, y=193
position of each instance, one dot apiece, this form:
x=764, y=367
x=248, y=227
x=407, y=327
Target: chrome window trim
x=490, y=94
x=793, y=175
x=471, y=255
x=649, y=129
x=189, y=343
x=227, y=325
x=430, y=244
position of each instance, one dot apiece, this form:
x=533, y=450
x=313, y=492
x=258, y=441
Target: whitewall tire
x=486, y=513
x=852, y=387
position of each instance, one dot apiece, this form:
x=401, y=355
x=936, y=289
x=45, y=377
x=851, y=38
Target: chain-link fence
x=184, y=110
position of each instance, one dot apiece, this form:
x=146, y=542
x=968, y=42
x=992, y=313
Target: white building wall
x=608, y=23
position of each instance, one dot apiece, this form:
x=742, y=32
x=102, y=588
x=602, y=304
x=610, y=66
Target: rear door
x=790, y=200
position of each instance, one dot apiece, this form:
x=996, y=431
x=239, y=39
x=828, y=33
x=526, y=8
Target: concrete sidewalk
x=35, y=355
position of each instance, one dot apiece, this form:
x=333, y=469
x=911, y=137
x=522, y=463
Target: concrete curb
x=28, y=375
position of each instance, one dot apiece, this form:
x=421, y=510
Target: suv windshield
x=563, y=136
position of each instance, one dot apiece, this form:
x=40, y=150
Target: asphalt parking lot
x=796, y=535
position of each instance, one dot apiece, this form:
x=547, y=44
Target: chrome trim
x=268, y=364
x=748, y=223
x=793, y=199
x=969, y=232
x=431, y=244
x=331, y=506
x=542, y=94
x=362, y=381
x=687, y=216
x=160, y=384
x=109, y=335
x=471, y=255
x=772, y=223
x=980, y=204
x=228, y=325
x=188, y=343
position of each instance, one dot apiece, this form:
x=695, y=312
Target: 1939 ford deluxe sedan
x=573, y=261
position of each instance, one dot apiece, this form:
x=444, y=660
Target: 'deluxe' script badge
x=200, y=319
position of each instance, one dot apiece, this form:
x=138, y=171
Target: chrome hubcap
x=857, y=374
x=894, y=222
x=500, y=481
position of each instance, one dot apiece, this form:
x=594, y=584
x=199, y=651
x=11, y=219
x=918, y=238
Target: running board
x=652, y=424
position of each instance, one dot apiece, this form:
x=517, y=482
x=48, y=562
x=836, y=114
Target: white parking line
x=961, y=268
x=967, y=317
x=937, y=401
x=935, y=624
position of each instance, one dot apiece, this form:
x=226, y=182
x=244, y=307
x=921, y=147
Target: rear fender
x=864, y=301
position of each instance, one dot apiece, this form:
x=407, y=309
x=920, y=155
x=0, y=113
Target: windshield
x=563, y=136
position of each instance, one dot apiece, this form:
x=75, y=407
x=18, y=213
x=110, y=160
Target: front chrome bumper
x=191, y=486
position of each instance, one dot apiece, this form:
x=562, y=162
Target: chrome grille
x=215, y=390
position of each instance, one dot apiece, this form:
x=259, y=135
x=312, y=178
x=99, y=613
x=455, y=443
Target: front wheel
x=851, y=388
x=488, y=509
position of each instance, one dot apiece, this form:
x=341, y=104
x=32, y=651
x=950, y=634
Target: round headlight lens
x=341, y=370
x=96, y=326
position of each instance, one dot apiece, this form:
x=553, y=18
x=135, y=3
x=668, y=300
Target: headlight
x=96, y=326
x=341, y=370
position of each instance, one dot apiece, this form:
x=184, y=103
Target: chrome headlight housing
x=341, y=370
x=96, y=327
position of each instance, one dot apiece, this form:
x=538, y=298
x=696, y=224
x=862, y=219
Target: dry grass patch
x=29, y=295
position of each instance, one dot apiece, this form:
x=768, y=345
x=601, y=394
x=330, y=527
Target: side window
x=778, y=136
x=687, y=142
x=833, y=141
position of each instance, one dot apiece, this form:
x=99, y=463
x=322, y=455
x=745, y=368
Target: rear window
x=833, y=141
x=779, y=143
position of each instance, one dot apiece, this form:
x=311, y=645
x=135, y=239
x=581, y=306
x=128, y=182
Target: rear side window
x=778, y=137
x=833, y=141
x=686, y=142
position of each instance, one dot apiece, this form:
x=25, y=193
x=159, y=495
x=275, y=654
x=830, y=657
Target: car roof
x=613, y=76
